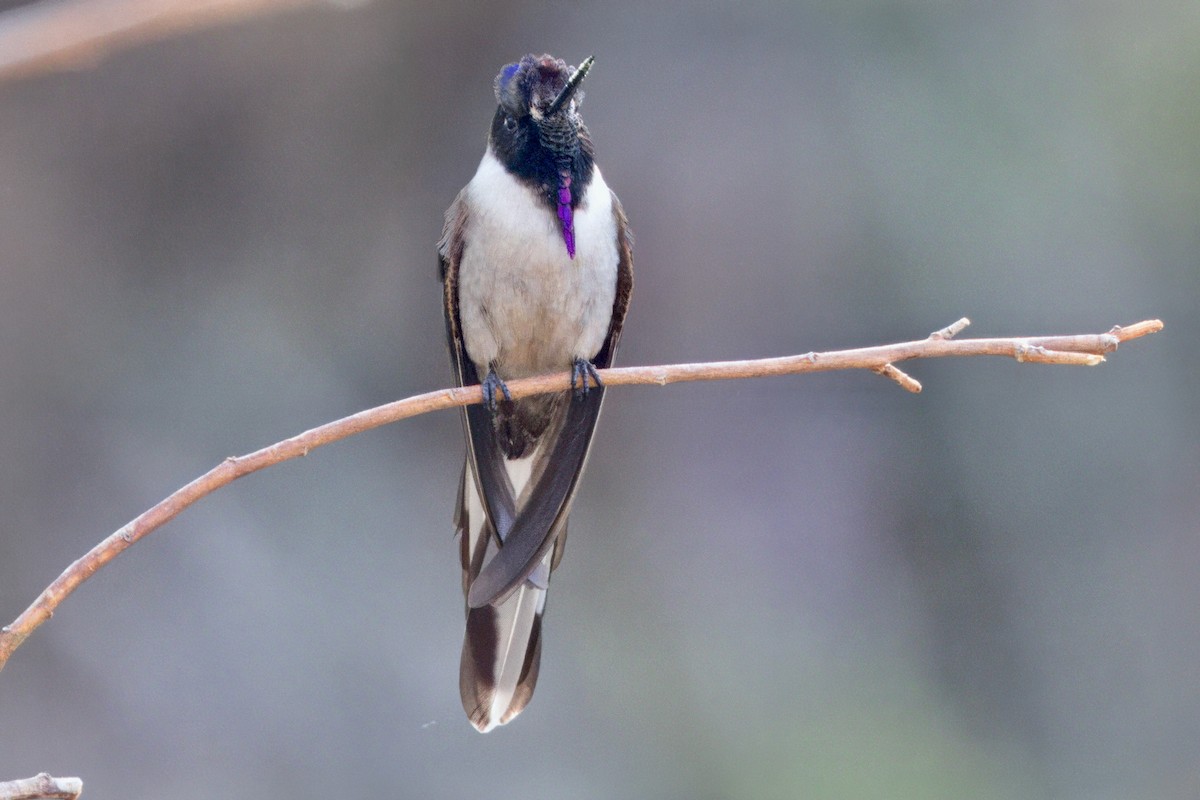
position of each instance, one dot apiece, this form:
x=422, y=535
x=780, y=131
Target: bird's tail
x=502, y=648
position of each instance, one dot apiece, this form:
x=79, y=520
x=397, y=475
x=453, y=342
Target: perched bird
x=537, y=271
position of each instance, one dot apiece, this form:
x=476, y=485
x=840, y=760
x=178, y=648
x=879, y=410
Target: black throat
x=536, y=154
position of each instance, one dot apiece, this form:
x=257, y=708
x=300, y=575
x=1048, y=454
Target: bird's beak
x=568, y=91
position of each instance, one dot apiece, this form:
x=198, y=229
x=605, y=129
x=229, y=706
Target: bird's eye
x=510, y=122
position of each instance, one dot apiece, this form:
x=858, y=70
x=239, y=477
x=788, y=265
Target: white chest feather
x=525, y=304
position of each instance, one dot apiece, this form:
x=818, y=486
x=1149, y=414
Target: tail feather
x=502, y=647
x=501, y=654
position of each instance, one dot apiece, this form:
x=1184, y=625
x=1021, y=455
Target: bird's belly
x=526, y=306
x=544, y=316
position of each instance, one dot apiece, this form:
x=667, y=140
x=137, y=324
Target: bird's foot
x=582, y=371
x=491, y=384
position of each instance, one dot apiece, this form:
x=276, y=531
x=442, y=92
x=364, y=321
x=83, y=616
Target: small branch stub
x=951, y=330
x=43, y=785
x=906, y=381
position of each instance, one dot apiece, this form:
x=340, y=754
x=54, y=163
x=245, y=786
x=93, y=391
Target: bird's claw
x=581, y=372
x=490, y=385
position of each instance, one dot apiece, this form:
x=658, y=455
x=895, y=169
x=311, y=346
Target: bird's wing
x=487, y=462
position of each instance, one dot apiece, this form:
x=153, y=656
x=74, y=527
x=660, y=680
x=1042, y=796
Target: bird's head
x=539, y=99
x=542, y=88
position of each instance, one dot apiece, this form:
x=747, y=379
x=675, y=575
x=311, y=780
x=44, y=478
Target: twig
x=42, y=785
x=1085, y=349
x=68, y=34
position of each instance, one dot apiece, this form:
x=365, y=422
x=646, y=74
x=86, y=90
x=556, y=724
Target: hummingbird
x=537, y=269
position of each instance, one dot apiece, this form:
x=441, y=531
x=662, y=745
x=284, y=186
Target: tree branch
x=41, y=786
x=69, y=34
x=1085, y=349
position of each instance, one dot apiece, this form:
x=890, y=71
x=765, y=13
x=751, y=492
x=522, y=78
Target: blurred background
x=813, y=587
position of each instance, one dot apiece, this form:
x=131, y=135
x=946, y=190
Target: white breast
x=525, y=305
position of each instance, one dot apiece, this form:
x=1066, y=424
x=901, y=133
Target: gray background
x=818, y=587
